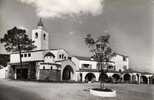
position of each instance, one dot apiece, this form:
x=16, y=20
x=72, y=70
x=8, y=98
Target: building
x=3, y=72
x=43, y=63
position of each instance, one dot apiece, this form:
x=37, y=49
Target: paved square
x=20, y=90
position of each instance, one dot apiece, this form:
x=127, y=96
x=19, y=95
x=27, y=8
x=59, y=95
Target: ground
x=23, y=90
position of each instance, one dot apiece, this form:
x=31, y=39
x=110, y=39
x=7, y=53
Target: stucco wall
x=4, y=73
x=120, y=63
x=39, y=41
x=52, y=75
x=35, y=56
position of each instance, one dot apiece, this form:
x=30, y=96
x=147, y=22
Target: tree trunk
x=20, y=60
x=101, y=80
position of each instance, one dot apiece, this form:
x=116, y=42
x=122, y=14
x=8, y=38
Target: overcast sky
x=129, y=23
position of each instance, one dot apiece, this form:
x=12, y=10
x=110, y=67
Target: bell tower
x=40, y=37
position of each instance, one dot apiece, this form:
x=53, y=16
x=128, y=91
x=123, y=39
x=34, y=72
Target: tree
x=16, y=40
x=101, y=52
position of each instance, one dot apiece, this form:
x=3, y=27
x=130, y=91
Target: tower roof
x=40, y=23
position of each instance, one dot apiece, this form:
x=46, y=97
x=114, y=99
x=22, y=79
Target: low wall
x=49, y=75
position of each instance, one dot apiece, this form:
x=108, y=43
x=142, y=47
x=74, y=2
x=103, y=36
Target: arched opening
x=81, y=77
x=103, y=77
x=144, y=79
x=134, y=77
x=90, y=77
x=67, y=73
x=36, y=35
x=152, y=79
x=44, y=36
x=127, y=77
x=116, y=77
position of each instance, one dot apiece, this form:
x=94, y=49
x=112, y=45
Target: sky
x=129, y=22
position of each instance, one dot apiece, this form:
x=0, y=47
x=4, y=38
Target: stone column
x=131, y=78
x=139, y=79
x=122, y=76
x=15, y=74
x=148, y=80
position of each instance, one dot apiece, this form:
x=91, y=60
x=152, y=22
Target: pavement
x=15, y=93
x=26, y=90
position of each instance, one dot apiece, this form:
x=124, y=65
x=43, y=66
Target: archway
x=90, y=77
x=116, y=77
x=144, y=79
x=152, y=79
x=22, y=73
x=67, y=73
x=103, y=77
x=127, y=77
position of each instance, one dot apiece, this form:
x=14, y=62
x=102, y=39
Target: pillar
x=15, y=74
x=139, y=79
x=148, y=80
x=122, y=76
x=131, y=77
x=38, y=73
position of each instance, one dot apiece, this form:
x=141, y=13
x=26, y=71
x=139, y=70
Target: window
x=21, y=55
x=69, y=58
x=44, y=36
x=98, y=45
x=86, y=66
x=29, y=55
x=25, y=55
x=120, y=70
x=51, y=68
x=124, y=58
x=60, y=56
x=43, y=67
x=36, y=35
x=110, y=67
x=125, y=67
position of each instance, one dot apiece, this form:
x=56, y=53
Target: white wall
x=47, y=66
x=49, y=59
x=92, y=63
x=119, y=63
x=35, y=56
x=59, y=52
x=80, y=62
x=39, y=41
x=4, y=73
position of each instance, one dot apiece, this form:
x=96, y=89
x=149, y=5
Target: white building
x=43, y=63
x=3, y=72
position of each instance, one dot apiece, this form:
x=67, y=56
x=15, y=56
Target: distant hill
x=4, y=59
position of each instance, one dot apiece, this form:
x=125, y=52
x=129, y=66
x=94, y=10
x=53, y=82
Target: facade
x=3, y=72
x=47, y=64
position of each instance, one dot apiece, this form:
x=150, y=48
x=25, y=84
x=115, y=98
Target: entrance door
x=67, y=73
x=22, y=73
